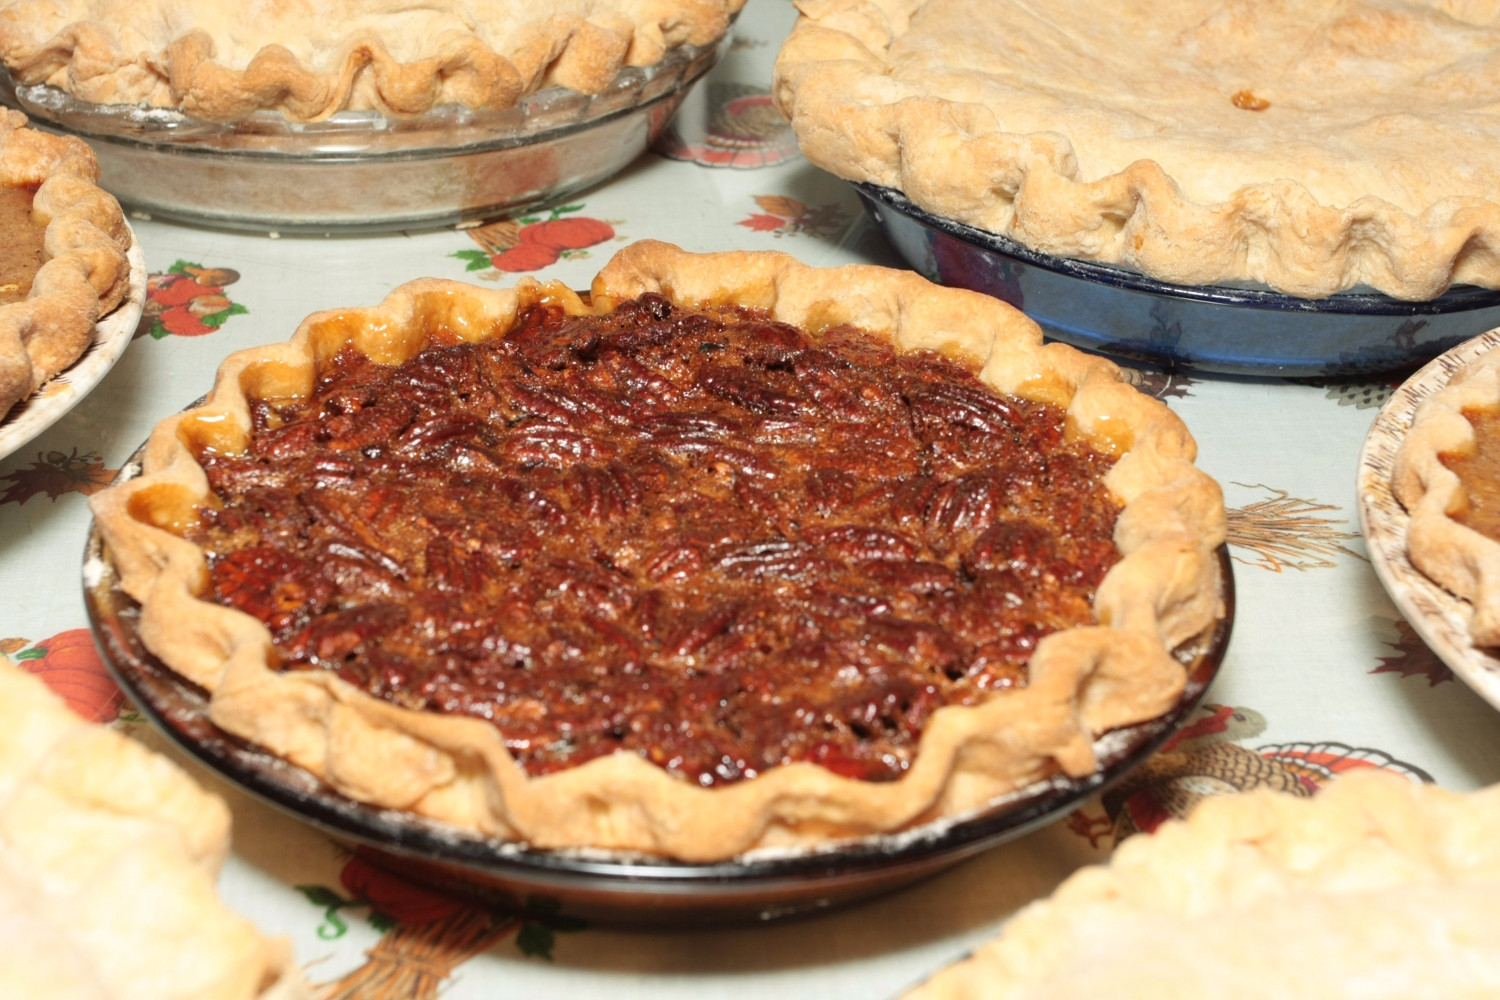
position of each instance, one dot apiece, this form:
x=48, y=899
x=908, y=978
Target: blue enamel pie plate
x=1232, y=330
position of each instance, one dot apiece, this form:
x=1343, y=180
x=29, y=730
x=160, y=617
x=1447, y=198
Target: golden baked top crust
x=1392, y=884
x=108, y=855
x=86, y=272
x=1455, y=555
x=1083, y=681
x=222, y=61
x=1308, y=146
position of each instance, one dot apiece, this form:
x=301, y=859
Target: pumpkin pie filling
x=1479, y=472
x=21, y=252
x=696, y=535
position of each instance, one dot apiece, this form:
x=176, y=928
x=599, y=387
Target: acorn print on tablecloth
x=188, y=300
x=514, y=246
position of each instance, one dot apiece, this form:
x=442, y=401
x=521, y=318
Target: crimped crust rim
x=87, y=270
x=84, y=56
x=1462, y=560
x=958, y=160
x=1164, y=590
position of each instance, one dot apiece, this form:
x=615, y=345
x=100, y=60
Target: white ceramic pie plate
x=611, y=887
x=361, y=171
x=1440, y=617
x=112, y=335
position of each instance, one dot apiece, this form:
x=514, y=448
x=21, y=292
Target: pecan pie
x=1310, y=147
x=108, y=854
x=1391, y=883
x=1447, y=476
x=737, y=553
x=63, y=264
x=217, y=61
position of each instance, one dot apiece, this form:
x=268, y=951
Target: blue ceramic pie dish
x=1214, y=328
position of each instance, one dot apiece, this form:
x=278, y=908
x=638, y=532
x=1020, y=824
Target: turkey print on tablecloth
x=530, y=243
x=426, y=935
x=188, y=300
x=1205, y=758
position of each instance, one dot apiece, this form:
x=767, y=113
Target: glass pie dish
x=1213, y=328
x=613, y=887
x=362, y=171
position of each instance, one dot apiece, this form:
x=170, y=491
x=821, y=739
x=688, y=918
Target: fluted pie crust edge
x=1457, y=557
x=108, y=857
x=1391, y=879
x=212, y=62
x=86, y=273
x=1165, y=589
x=1309, y=149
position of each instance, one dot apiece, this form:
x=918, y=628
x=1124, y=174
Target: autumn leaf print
x=55, y=474
x=1286, y=533
x=1413, y=658
x=781, y=215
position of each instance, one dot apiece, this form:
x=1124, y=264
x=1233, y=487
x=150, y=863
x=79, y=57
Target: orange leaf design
x=777, y=204
x=762, y=223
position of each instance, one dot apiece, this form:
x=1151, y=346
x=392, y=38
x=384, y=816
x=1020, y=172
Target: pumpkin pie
x=307, y=61
x=108, y=855
x=735, y=553
x=1305, y=147
x=1447, y=476
x=63, y=262
x=1389, y=882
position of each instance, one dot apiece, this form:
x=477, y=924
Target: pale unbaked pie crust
x=108, y=856
x=85, y=272
x=222, y=61
x=1388, y=885
x=1083, y=681
x=1311, y=147
x=1464, y=561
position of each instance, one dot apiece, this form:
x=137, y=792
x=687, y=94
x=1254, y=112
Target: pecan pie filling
x=700, y=536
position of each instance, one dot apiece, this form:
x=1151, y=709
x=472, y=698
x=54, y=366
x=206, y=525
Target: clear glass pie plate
x=611, y=887
x=1213, y=328
x=364, y=171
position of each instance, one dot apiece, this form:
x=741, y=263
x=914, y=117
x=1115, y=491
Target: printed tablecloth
x=1322, y=673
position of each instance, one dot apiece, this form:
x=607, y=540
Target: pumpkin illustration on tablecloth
x=70, y=664
x=514, y=246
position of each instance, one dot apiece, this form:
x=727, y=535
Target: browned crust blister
x=308, y=62
x=1084, y=681
x=1459, y=558
x=86, y=272
x=1065, y=137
